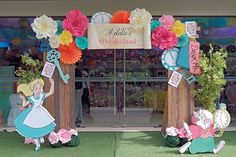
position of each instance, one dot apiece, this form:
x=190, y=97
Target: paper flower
x=70, y=54
x=65, y=37
x=155, y=24
x=167, y=21
x=121, y=16
x=59, y=27
x=74, y=132
x=172, y=131
x=54, y=41
x=183, y=40
x=44, y=27
x=75, y=22
x=163, y=38
x=64, y=135
x=139, y=18
x=178, y=28
x=81, y=42
x=29, y=141
x=53, y=138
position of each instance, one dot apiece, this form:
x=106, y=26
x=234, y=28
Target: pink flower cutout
x=29, y=141
x=163, y=39
x=167, y=21
x=64, y=135
x=75, y=22
x=53, y=138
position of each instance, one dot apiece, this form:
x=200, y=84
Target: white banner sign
x=118, y=36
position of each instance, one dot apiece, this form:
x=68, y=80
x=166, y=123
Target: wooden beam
x=61, y=105
x=180, y=104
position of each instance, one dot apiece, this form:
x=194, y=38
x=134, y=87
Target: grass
x=109, y=144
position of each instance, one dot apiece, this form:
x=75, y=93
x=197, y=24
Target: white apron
x=38, y=117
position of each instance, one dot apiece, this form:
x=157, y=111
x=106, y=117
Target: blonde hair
x=27, y=89
x=33, y=83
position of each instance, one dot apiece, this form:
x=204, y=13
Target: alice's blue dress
x=35, y=121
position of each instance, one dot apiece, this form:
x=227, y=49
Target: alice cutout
x=35, y=122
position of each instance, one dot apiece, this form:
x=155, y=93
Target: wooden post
x=180, y=105
x=61, y=105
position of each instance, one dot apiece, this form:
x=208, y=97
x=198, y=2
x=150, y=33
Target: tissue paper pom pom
x=139, y=18
x=121, y=16
x=65, y=37
x=69, y=54
x=155, y=24
x=44, y=27
x=178, y=28
x=163, y=38
x=75, y=22
x=81, y=42
x=167, y=21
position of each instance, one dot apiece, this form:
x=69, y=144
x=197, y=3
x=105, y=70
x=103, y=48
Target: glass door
x=126, y=88
x=143, y=88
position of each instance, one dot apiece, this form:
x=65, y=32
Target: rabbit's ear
x=196, y=114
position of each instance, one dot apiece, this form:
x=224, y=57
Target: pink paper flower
x=163, y=39
x=29, y=141
x=75, y=22
x=167, y=21
x=53, y=138
x=172, y=131
x=64, y=135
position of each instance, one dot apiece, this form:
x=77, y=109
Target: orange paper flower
x=69, y=54
x=121, y=16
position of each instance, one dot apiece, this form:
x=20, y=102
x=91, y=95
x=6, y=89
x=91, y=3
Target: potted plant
x=211, y=81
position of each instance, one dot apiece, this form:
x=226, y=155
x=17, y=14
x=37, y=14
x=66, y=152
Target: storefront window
x=128, y=78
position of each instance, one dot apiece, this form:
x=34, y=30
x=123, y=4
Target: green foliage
x=29, y=70
x=211, y=80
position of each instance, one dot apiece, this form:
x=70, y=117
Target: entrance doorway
x=128, y=88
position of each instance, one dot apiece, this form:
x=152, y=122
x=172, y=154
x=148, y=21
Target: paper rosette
x=70, y=54
x=121, y=16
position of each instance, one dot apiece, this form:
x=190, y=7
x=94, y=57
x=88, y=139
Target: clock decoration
x=221, y=118
x=169, y=58
x=101, y=17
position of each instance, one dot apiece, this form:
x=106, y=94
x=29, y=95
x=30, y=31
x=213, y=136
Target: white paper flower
x=54, y=41
x=139, y=18
x=74, y=132
x=44, y=27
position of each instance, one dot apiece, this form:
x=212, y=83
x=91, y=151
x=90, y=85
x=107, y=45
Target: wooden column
x=61, y=105
x=180, y=104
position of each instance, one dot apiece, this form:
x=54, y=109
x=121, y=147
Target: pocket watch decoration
x=101, y=17
x=169, y=58
x=221, y=117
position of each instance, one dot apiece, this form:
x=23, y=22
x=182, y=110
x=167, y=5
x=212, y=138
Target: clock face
x=221, y=118
x=101, y=17
x=169, y=58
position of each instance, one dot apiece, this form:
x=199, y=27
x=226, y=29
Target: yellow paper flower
x=178, y=28
x=65, y=37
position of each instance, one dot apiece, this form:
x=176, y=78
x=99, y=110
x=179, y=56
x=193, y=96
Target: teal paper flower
x=59, y=27
x=81, y=42
x=183, y=40
x=155, y=24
